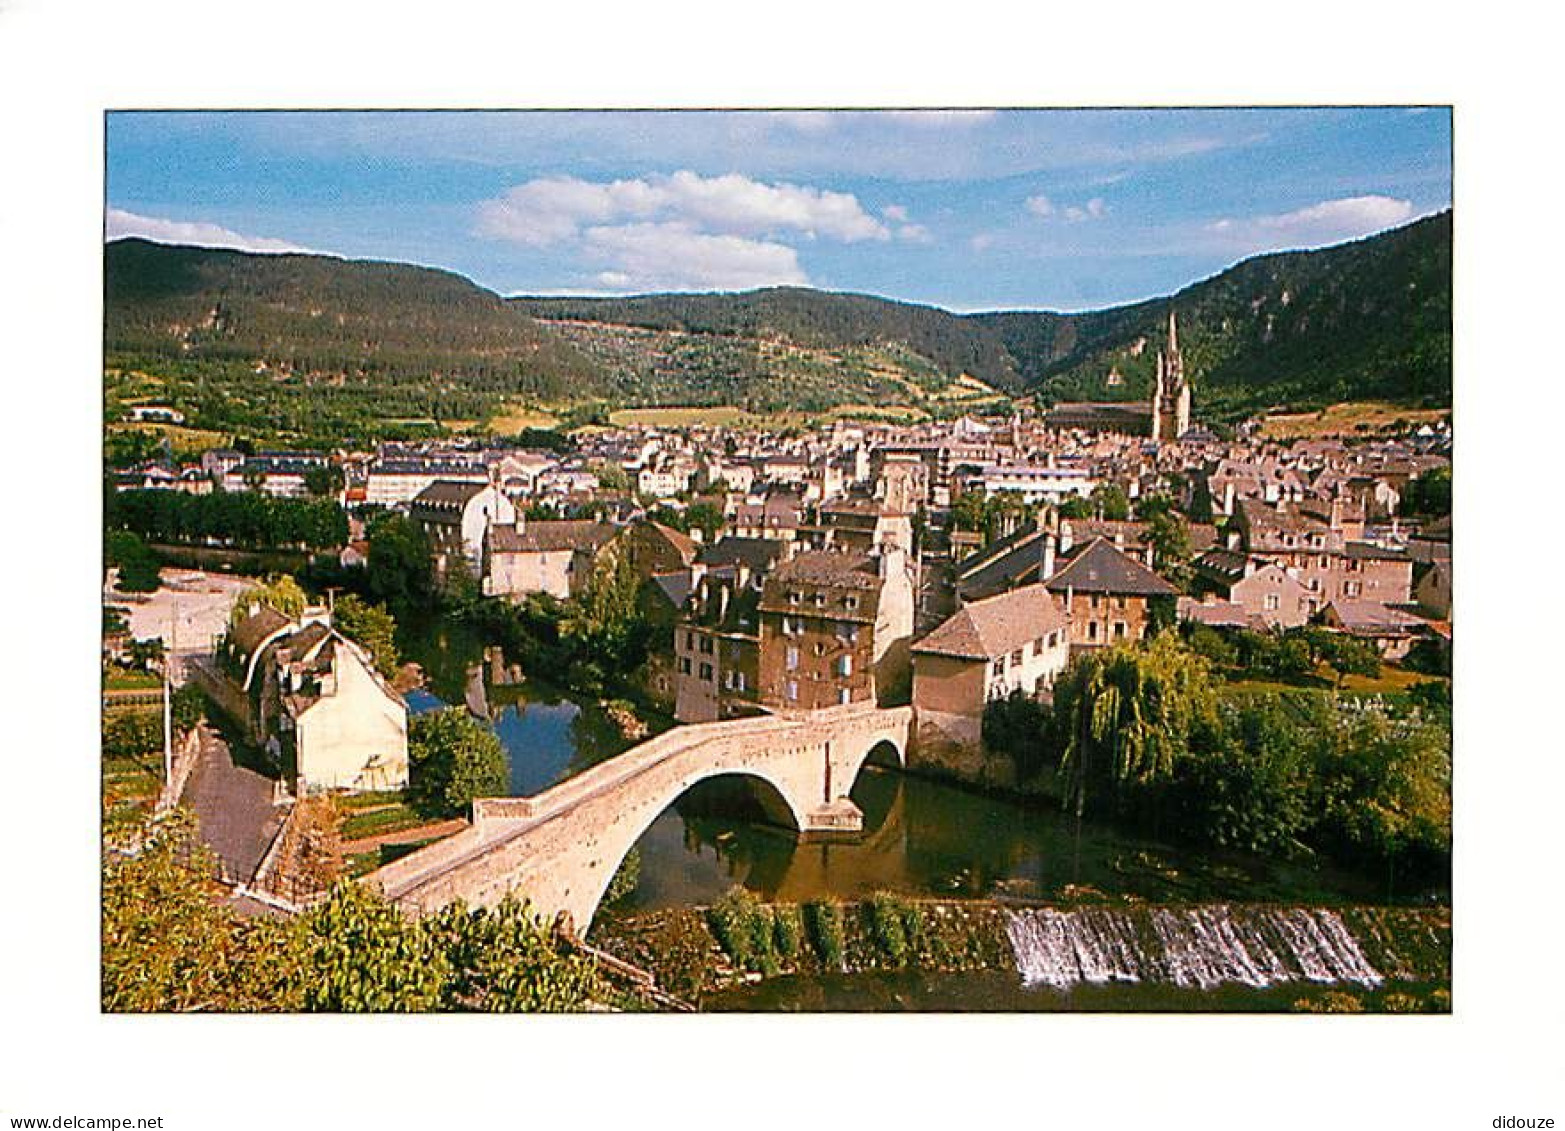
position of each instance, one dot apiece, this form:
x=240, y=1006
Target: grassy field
x=677, y=417
x=1350, y=418
x=513, y=418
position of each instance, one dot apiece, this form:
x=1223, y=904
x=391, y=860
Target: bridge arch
x=560, y=849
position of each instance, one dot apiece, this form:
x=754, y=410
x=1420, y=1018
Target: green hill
x=312, y=346
x=1369, y=319
x=308, y=343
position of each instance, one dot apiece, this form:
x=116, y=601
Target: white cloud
x=119, y=224
x=555, y=209
x=1330, y=221
x=1094, y=209
x=914, y=233
x=895, y=213
x=671, y=256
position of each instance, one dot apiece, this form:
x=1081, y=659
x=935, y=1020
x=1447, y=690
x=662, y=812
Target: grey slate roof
x=1100, y=568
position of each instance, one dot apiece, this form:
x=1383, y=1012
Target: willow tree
x=1126, y=715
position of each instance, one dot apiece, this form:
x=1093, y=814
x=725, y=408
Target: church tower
x=1171, y=394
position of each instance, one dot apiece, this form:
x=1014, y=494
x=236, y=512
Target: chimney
x=1046, y=567
x=722, y=603
x=1228, y=497
x=1067, y=537
x=1336, y=512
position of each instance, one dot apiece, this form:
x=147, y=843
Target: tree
x=359, y=955
x=1076, y=507
x=603, y=622
x=168, y=944
x=1253, y=789
x=705, y=516
x=323, y=480
x=1111, y=502
x=454, y=758
x=613, y=477
x=372, y=626
x=1429, y=494
x=1123, y=716
x=398, y=568
x=279, y=591
x=1169, y=536
x=137, y=564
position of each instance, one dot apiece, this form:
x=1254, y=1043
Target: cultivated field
x=1350, y=418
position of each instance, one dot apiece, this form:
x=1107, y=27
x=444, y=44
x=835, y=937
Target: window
x=998, y=668
x=1119, y=630
x=1351, y=589
x=844, y=696
x=738, y=681
x=1122, y=602
x=1092, y=630
x=844, y=665
x=1273, y=602
x=1097, y=600
x=1016, y=658
x=1054, y=638
x=1037, y=646
x=791, y=691
x=791, y=659
x=850, y=602
x=690, y=641
x=794, y=596
x=820, y=600
x=684, y=665
x=706, y=672
x=706, y=645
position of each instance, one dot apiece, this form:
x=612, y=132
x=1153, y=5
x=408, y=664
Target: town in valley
x=926, y=665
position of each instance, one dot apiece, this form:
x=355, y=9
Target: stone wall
x=559, y=849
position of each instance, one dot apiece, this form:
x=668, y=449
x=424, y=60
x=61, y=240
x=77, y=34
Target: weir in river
x=1195, y=947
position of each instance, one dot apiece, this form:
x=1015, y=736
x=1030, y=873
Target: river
x=921, y=837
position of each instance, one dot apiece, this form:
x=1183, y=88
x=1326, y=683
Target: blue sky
x=1062, y=210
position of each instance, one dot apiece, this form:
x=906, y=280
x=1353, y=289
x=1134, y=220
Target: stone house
x=1016, y=641
x=1433, y=591
x=1392, y=631
x=1108, y=594
x=835, y=629
x=456, y=518
x=315, y=700
x=717, y=647
x=1320, y=554
x=1267, y=593
x=543, y=556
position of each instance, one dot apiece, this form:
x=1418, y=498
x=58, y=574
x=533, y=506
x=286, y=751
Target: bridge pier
x=837, y=816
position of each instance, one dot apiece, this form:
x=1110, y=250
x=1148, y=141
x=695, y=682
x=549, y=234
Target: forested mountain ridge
x=312, y=343
x=1302, y=329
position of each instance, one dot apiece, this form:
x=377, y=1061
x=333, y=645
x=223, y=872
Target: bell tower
x=1171, y=395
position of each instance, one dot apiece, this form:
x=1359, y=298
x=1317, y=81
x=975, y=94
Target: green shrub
x=787, y=930
x=823, y=923
x=884, y=913
x=743, y=926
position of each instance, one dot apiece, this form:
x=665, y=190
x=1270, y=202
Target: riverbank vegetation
x=453, y=758
x=171, y=945
x=700, y=952
x=1144, y=736
x=246, y=520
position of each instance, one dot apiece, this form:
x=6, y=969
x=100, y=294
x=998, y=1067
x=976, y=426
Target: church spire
x=1173, y=333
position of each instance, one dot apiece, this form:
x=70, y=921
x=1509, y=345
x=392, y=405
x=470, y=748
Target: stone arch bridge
x=560, y=848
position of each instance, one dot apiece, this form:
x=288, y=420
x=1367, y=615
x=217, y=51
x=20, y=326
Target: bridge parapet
x=559, y=848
